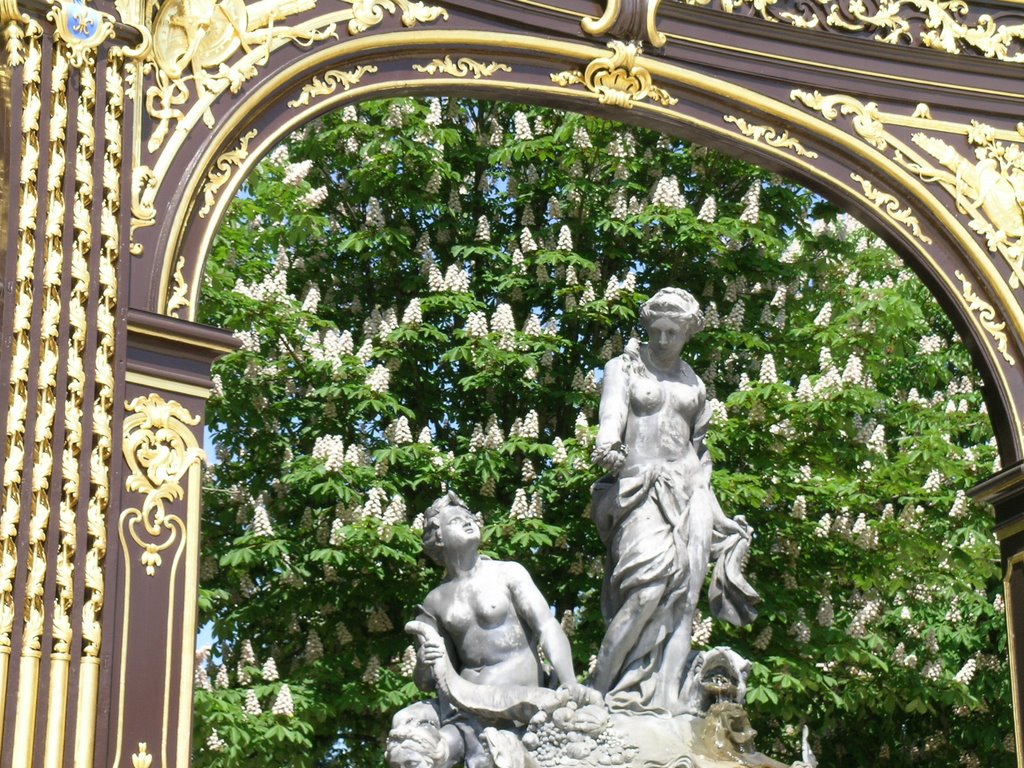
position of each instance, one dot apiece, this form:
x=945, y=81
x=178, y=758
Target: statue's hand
x=431, y=646
x=610, y=457
x=432, y=650
x=583, y=695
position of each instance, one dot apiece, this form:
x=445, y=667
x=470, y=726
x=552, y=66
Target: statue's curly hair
x=675, y=304
x=433, y=547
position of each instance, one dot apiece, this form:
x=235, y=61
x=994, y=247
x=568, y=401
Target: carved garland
x=627, y=21
x=14, y=463
x=160, y=449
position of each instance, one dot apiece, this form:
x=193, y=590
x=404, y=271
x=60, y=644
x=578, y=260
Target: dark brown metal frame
x=727, y=80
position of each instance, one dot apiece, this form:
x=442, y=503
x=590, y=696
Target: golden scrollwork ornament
x=770, y=136
x=627, y=20
x=222, y=169
x=986, y=316
x=461, y=67
x=620, y=79
x=950, y=26
x=160, y=449
x=330, y=82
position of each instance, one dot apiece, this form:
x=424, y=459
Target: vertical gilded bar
x=46, y=412
x=99, y=464
x=24, y=49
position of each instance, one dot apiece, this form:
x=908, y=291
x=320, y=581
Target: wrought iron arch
x=704, y=109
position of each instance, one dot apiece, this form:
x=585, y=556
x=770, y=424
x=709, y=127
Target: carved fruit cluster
x=572, y=735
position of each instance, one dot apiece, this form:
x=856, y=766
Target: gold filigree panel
x=950, y=26
x=988, y=188
x=160, y=449
x=202, y=49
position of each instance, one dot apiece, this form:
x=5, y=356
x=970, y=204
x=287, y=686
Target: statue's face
x=404, y=757
x=458, y=529
x=667, y=338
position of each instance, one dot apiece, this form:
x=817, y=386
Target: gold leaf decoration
x=178, y=298
x=988, y=188
x=13, y=22
x=463, y=67
x=222, y=169
x=145, y=184
x=202, y=50
x=78, y=324
x=370, y=13
x=617, y=79
x=639, y=19
x=193, y=43
x=160, y=449
x=770, y=136
x=103, y=402
x=81, y=29
x=48, y=342
x=142, y=758
x=891, y=206
x=986, y=316
x=21, y=349
x=949, y=26
x=328, y=84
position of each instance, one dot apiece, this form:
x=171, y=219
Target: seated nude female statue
x=479, y=631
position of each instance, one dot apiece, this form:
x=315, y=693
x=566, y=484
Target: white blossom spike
x=283, y=704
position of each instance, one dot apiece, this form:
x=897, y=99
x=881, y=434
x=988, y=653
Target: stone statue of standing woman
x=658, y=516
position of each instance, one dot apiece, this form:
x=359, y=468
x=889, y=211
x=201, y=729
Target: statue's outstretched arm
x=534, y=612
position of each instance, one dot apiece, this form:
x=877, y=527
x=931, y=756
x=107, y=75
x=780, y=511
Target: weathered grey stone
x=658, y=516
x=655, y=703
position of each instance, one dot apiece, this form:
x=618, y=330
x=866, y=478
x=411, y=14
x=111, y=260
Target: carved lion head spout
x=415, y=740
x=715, y=676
